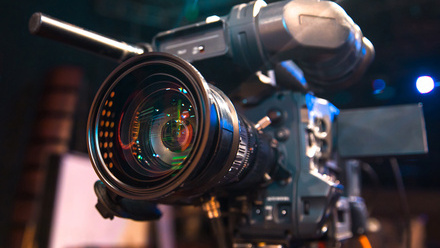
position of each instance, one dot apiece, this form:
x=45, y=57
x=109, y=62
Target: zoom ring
x=241, y=161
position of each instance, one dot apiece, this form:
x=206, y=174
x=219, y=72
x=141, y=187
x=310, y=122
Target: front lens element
x=161, y=132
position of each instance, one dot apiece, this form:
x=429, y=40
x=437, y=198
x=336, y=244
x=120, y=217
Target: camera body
x=305, y=195
x=304, y=200
x=279, y=184
x=258, y=142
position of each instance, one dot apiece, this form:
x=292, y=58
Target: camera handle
x=48, y=27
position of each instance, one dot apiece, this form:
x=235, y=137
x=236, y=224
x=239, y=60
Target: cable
x=403, y=199
x=367, y=168
x=372, y=174
x=212, y=209
x=364, y=241
x=219, y=232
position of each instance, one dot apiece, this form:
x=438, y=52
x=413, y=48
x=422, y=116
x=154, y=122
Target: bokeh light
x=425, y=84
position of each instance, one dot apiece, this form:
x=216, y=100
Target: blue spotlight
x=425, y=84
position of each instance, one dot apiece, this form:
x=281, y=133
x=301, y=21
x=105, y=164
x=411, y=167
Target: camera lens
x=157, y=131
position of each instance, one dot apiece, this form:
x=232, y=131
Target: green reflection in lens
x=177, y=135
x=163, y=130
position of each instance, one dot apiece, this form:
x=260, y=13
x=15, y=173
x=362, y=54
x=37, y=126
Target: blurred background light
x=425, y=84
x=378, y=86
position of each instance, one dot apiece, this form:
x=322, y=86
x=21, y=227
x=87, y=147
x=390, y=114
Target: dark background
x=405, y=33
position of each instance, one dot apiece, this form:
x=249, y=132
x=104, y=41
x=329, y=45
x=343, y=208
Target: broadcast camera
x=258, y=151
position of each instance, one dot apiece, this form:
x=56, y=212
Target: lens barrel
x=157, y=131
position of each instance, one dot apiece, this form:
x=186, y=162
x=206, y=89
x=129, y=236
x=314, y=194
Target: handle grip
x=48, y=27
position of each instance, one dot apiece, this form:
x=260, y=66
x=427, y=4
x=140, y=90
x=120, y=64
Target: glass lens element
x=162, y=132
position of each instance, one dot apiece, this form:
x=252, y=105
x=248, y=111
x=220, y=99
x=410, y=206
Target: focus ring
x=244, y=151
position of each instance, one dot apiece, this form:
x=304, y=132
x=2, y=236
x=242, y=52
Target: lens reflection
x=162, y=132
x=177, y=135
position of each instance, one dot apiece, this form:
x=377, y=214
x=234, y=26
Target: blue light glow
x=425, y=84
x=379, y=86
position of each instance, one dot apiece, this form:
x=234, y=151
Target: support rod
x=48, y=27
